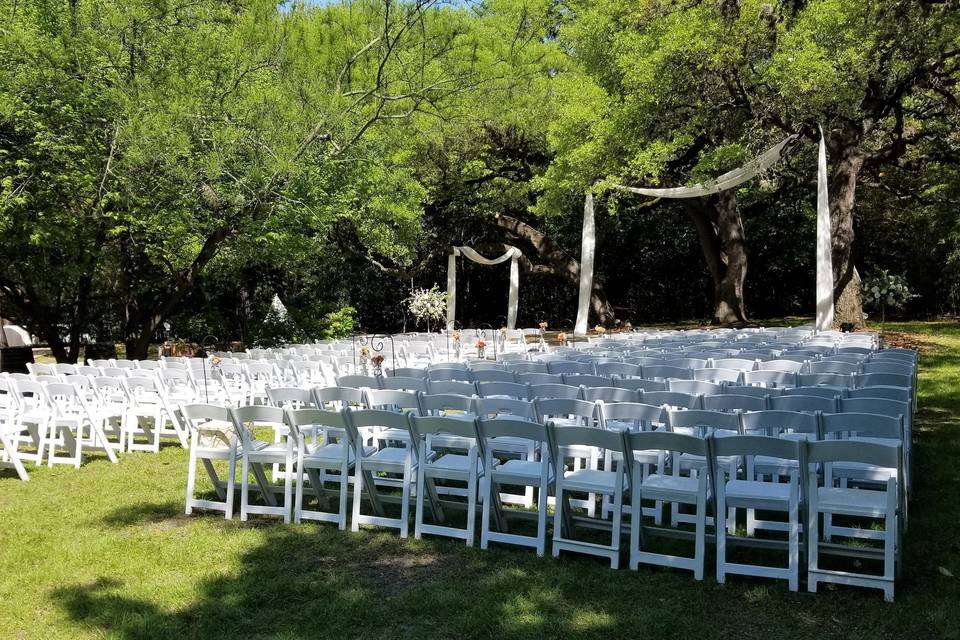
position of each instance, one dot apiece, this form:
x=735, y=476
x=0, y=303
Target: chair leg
x=485, y=515
x=344, y=490
x=408, y=472
x=298, y=496
x=720, y=529
x=700, y=539
x=357, y=494
x=794, y=543
x=813, y=537
x=244, y=487
x=421, y=488
x=558, y=529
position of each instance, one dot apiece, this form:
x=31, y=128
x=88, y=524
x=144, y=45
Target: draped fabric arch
x=513, y=255
x=729, y=180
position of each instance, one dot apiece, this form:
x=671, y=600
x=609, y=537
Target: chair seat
x=518, y=469
x=860, y=502
x=863, y=471
x=670, y=488
x=331, y=454
x=590, y=480
x=388, y=456
x=267, y=452
x=753, y=490
x=454, y=463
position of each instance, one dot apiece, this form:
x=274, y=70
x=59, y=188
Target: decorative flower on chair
x=562, y=337
x=600, y=329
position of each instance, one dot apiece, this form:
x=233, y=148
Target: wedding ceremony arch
x=513, y=255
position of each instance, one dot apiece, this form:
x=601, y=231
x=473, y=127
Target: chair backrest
x=829, y=379
x=639, y=384
x=673, y=399
x=493, y=375
x=737, y=364
x=888, y=366
x=821, y=391
x=686, y=362
x=483, y=365
x=903, y=394
x=831, y=366
x=701, y=422
x=251, y=414
x=39, y=369
x=563, y=436
x=539, y=378
x=695, y=386
x=759, y=392
x=731, y=376
x=365, y=418
x=408, y=372
x=451, y=387
x=611, y=394
x=291, y=397
x=554, y=391
x=508, y=389
x=581, y=410
x=490, y=407
x=871, y=453
x=297, y=419
x=885, y=379
x=768, y=378
x=734, y=402
x=509, y=427
x=751, y=445
x=621, y=369
x=65, y=368
x=439, y=404
x=403, y=383
x=879, y=406
x=337, y=397
x=448, y=374
x=665, y=372
x=392, y=400
x=422, y=426
x=586, y=380
x=570, y=367
x=358, y=381
x=776, y=422
x=198, y=414
x=804, y=403
x=643, y=416
x=840, y=426
x=666, y=441
x=525, y=366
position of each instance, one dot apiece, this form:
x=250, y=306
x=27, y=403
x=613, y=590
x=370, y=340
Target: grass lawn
x=106, y=552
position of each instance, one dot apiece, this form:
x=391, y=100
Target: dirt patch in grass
x=902, y=340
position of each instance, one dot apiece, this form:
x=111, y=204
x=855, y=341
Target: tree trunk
x=722, y=240
x=846, y=158
x=555, y=261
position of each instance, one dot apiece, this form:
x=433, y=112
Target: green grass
x=106, y=552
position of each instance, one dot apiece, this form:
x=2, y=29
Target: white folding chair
x=257, y=453
x=312, y=459
x=591, y=481
x=529, y=473
x=397, y=458
x=212, y=438
x=667, y=487
x=73, y=427
x=881, y=505
x=437, y=464
x=757, y=494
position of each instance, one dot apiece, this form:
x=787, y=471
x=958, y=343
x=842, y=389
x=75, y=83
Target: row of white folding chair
x=420, y=465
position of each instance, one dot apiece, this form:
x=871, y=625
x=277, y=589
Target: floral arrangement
x=377, y=360
x=365, y=352
x=562, y=337
x=456, y=337
x=600, y=329
x=481, y=344
x=882, y=290
x=543, y=325
x=427, y=304
x=216, y=360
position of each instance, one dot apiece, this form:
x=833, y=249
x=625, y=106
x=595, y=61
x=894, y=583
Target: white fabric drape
x=728, y=180
x=513, y=254
x=824, y=248
x=587, y=248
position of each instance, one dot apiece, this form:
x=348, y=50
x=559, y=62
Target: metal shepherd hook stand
x=377, y=343
x=208, y=344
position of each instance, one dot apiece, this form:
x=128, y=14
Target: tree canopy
x=182, y=162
